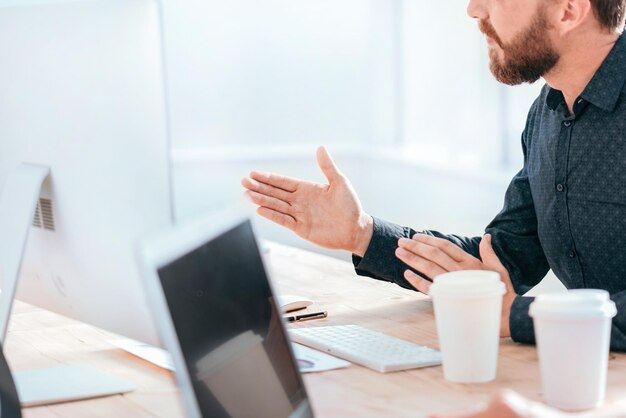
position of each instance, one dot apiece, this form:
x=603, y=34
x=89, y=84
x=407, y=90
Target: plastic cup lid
x=574, y=303
x=467, y=283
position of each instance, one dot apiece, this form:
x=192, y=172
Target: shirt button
x=572, y=254
x=567, y=123
x=560, y=187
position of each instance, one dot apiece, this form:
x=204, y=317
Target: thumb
x=328, y=166
x=491, y=260
x=488, y=255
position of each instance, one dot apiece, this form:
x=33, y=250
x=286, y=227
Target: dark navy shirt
x=565, y=209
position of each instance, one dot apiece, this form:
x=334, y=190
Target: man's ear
x=570, y=14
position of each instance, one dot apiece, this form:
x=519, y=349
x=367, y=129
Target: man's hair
x=610, y=13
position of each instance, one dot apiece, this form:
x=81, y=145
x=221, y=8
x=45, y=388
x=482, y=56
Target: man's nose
x=477, y=9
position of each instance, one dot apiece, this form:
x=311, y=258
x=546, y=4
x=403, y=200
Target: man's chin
x=513, y=76
x=507, y=78
x=502, y=75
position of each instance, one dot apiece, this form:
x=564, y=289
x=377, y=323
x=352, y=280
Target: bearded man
x=564, y=210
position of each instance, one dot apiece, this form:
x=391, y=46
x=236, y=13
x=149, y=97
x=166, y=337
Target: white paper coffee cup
x=573, y=334
x=468, y=307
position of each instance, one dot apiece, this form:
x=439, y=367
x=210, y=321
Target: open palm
x=329, y=215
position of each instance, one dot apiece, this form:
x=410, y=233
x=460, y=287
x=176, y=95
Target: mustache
x=486, y=28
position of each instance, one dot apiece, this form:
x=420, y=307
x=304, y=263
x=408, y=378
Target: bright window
x=406, y=75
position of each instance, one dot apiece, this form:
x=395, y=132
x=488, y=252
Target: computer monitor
x=82, y=92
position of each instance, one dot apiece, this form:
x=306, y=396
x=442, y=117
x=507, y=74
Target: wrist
x=363, y=234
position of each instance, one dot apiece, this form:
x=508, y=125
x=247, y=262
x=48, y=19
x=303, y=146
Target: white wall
x=279, y=72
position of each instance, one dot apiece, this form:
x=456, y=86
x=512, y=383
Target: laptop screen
x=230, y=331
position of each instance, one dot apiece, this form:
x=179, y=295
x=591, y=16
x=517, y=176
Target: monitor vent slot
x=44, y=215
x=37, y=217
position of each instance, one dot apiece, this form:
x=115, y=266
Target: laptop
x=217, y=316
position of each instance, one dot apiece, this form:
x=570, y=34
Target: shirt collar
x=606, y=84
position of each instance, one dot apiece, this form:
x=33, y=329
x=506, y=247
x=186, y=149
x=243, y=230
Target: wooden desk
x=41, y=339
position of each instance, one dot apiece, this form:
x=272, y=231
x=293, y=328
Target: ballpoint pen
x=306, y=317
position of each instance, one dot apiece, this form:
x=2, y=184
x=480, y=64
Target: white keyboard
x=371, y=349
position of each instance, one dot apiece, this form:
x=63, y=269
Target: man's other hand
x=508, y=404
x=329, y=215
x=432, y=256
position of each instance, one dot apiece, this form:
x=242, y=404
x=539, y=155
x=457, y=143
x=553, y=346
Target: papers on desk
x=310, y=360
x=154, y=355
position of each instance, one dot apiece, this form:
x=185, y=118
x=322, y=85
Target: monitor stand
x=65, y=384
x=18, y=202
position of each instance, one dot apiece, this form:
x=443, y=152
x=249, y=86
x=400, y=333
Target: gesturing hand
x=329, y=215
x=432, y=256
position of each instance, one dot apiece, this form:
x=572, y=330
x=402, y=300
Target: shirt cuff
x=520, y=322
x=379, y=260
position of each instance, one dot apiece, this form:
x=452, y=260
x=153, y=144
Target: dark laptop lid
x=230, y=330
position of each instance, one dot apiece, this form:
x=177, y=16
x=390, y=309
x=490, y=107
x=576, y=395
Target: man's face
x=527, y=56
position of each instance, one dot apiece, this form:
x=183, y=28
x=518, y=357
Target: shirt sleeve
x=520, y=322
x=379, y=260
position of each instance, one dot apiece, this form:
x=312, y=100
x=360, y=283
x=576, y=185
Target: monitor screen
x=230, y=330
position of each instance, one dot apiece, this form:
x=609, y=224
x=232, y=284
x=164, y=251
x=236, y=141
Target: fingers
x=417, y=282
x=280, y=218
x=429, y=252
x=474, y=414
x=285, y=183
x=478, y=411
x=508, y=404
x=487, y=253
x=452, y=250
x=505, y=404
x=269, y=202
x=266, y=189
x=433, y=256
x=421, y=264
x=328, y=166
